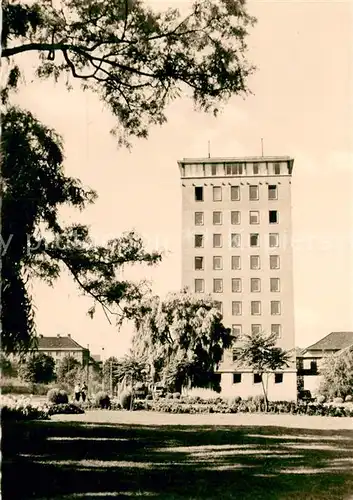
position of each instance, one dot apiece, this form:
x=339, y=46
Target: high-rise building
x=236, y=246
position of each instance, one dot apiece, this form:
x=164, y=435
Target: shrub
x=338, y=400
x=22, y=409
x=237, y=399
x=67, y=409
x=57, y=396
x=125, y=400
x=348, y=399
x=321, y=399
x=102, y=400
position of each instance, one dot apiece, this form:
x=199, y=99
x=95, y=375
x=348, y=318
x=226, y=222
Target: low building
x=309, y=360
x=60, y=346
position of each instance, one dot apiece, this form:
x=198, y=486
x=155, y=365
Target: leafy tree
x=108, y=372
x=130, y=370
x=66, y=367
x=337, y=373
x=260, y=353
x=38, y=245
x=182, y=338
x=37, y=368
x=8, y=367
x=135, y=59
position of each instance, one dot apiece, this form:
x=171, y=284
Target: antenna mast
x=209, y=149
x=262, y=147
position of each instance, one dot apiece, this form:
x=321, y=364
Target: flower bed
x=22, y=409
x=66, y=409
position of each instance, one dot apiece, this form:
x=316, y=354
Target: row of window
x=217, y=193
x=255, y=307
x=231, y=169
x=276, y=329
x=235, y=262
x=235, y=217
x=235, y=240
x=255, y=285
x=238, y=168
x=257, y=378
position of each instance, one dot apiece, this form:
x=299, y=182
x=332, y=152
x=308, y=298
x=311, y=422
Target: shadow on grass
x=52, y=460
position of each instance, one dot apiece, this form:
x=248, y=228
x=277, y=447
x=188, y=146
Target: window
x=254, y=262
x=235, y=193
x=272, y=192
x=198, y=240
x=255, y=307
x=254, y=240
x=278, y=378
x=198, y=193
x=275, y=307
x=199, y=286
x=217, y=217
x=234, y=169
x=235, y=262
x=235, y=217
x=236, y=377
x=253, y=193
x=236, y=330
x=236, y=285
x=257, y=378
x=217, y=263
x=276, y=330
x=217, y=241
x=219, y=306
x=198, y=218
x=218, y=285
x=254, y=217
x=274, y=240
x=274, y=261
x=217, y=193
x=273, y=216
x=255, y=169
x=255, y=329
x=198, y=263
x=277, y=168
x=236, y=308
x=235, y=240
x=274, y=285
x=255, y=284
x=214, y=169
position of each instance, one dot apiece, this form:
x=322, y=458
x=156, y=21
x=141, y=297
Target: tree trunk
x=264, y=391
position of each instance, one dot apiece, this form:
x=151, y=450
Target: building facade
x=236, y=246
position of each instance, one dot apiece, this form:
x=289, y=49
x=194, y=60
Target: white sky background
x=302, y=106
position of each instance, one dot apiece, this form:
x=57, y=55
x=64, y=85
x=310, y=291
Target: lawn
x=74, y=458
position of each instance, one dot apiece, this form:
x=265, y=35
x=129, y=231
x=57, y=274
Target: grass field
x=64, y=459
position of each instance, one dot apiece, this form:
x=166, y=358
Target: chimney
x=58, y=335
x=40, y=336
x=69, y=335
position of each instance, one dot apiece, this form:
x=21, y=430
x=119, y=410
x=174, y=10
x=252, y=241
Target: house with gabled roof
x=60, y=346
x=311, y=358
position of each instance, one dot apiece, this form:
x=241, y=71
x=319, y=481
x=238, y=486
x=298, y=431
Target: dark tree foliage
x=38, y=368
x=137, y=60
x=36, y=244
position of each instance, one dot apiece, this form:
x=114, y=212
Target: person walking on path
x=77, y=391
x=84, y=391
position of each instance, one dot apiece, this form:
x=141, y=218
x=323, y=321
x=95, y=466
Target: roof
x=58, y=342
x=242, y=159
x=334, y=341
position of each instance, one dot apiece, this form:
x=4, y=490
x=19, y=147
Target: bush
x=237, y=399
x=57, y=396
x=338, y=400
x=348, y=399
x=102, y=400
x=125, y=400
x=321, y=399
x=22, y=409
x=67, y=409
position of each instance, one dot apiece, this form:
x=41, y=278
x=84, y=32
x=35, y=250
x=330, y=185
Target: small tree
x=38, y=368
x=67, y=369
x=337, y=372
x=259, y=352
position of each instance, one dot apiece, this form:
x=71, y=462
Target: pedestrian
x=83, y=391
x=77, y=391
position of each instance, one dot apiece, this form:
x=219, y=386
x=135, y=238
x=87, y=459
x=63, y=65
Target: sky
x=301, y=105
